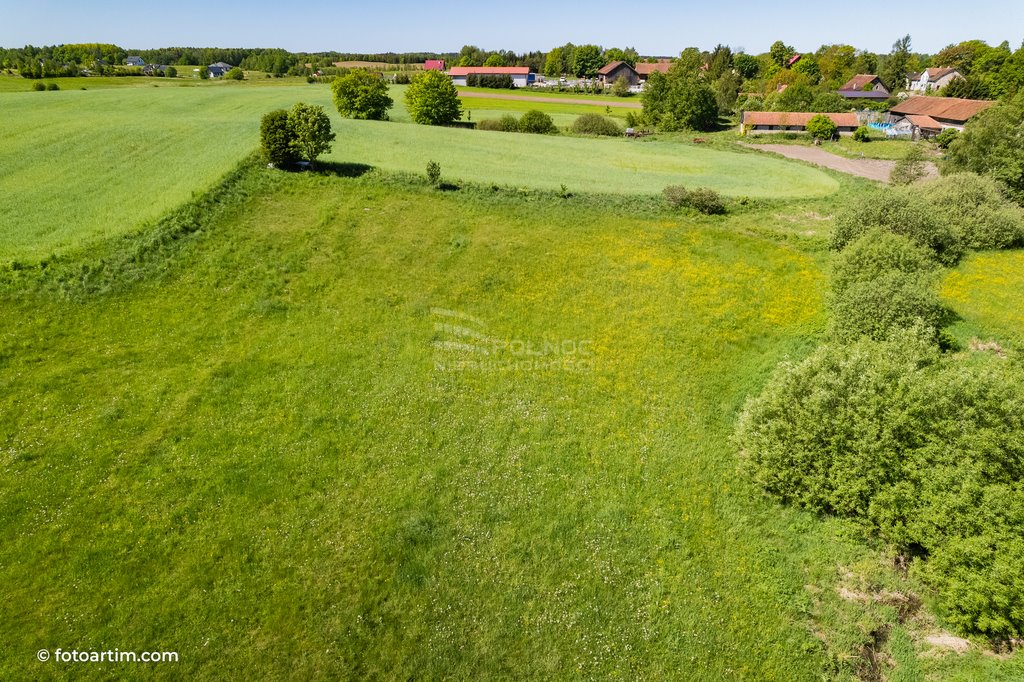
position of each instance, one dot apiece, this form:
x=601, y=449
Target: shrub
x=900, y=211
x=402, y=78
x=974, y=205
x=276, y=139
x=433, y=172
x=595, y=124
x=620, y=88
x=822, y=127
x=702, y=199
x=235, y=74
x=862, y=134
x=910, y=168
x=52, y=86
x=990, y=145
x=38, y=87
x=946, y=137
x=892, y=300
x=877, y=253
x=537, y=122
x=820, y=434
x=500, y=81
x=171, y=72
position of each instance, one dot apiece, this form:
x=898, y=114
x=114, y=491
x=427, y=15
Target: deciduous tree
x=363, y=95
x=432, y=99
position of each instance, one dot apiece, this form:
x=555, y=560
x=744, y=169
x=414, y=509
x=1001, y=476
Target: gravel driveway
x=873, y=169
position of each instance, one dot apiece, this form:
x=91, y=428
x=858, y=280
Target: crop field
x=129, y=155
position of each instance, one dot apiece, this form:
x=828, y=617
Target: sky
x=655, y=27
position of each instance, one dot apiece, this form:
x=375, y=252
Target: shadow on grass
x=448, y=187
x=343, y=170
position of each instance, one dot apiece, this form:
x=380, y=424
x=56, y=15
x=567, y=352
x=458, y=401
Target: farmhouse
x=609, y=73
x=864, y=86
x=134, y=61
x=520, y=74
x=932, y=79
x=433, y=65
x=755, y=122
x=928, y=116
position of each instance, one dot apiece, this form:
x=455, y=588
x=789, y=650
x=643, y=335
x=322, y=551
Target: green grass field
x=126, y=156
x=355, y=427
x=257, y=462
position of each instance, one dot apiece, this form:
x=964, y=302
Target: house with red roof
x=635, y=75
x=864, y=86
x=928, y=116
x=433, y=65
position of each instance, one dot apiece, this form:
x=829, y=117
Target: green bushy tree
x=595, y=124
x=311, y=130
x=362, y=95
x=990, y=145
x=432, y=99
x=276, y=138
x=822, y=127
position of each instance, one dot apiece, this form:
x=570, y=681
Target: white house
x=930, y=80
x=520, y=74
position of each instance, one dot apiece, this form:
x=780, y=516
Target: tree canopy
x=363, y=95
x=432, y=99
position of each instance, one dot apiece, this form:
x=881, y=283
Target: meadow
x=356, y=427
x=80, y=166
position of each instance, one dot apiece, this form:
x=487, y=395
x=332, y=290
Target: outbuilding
x=755, y=122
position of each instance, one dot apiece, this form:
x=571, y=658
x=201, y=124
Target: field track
x=872, y=169
x=551, y=100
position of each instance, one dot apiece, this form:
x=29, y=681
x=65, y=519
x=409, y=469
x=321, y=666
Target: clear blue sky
x=660, y=27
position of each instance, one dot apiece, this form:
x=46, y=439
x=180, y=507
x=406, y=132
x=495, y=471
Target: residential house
x=134, y=61
x=931, y=80
x=928, y=116
x=433, y=65
x=864, y=86
x=153, y=69
x=521, y=76
x=755, y=122
x=609, y=73
x=219, y=69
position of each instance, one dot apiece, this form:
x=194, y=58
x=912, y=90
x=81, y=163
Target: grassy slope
x=82, y=165
x=987, y=291
x=256, y=463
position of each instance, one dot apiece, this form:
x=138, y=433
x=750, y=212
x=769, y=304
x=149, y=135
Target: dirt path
x=553, y=100
x=873, y=169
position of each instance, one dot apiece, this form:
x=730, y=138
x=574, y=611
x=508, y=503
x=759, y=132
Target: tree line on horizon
x=989, y=71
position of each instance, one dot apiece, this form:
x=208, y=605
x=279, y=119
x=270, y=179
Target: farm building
x=134, y=61
x=864, y=86
x=520, y=74
x=932, y=79
x=609, y=73
x=645, y=69
x=928, y=116
x=637, y=75
x=755, y=122
x=433, y=65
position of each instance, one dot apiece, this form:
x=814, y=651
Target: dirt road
x=873, y=169
x=553, y=100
